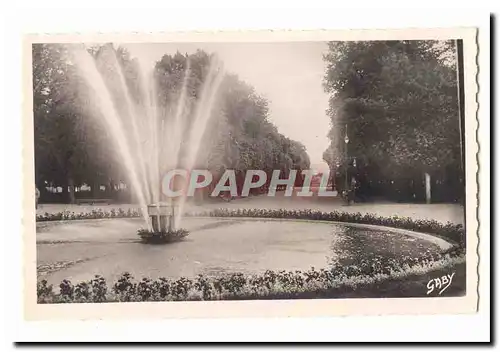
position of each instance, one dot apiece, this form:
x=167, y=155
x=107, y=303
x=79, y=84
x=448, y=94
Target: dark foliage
x=162, y=236
x=397, y=102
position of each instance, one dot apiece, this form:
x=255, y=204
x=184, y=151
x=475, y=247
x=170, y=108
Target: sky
x=288, y=74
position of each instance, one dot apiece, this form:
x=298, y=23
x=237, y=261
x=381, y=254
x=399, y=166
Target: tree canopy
x=397, y=102
x=72, y=149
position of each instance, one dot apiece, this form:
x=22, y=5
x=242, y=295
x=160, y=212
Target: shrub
x=180, y=288
x=66, y=290
x=163, y=288
x=44, y=292
x=99, y=288
x=83, y=291
x=204, y=286
x=146, y=289
x=124, y=288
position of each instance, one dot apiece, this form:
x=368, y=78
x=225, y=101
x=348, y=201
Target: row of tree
x=73, y=148
x=397, y=102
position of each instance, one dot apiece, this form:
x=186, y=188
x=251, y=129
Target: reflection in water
x=352, y=245
x=215, y=225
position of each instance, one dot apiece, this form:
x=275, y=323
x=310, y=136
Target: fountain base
x=162, y=226
x=162, y=217
x=149, y=236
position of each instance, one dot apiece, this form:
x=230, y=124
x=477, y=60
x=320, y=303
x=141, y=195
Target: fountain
x=149, y=136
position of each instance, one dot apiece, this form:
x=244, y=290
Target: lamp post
x=346, y=140
x=337, y=168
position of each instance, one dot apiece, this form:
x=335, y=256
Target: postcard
x=250, y=174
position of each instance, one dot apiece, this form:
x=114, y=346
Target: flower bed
x=312, y=283
x=94, y=214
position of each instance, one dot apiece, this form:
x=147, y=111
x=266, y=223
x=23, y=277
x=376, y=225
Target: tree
x=398, y=101
x=63, y=138
x=154, y=114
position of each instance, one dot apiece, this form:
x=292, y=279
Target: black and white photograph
x=252, y=170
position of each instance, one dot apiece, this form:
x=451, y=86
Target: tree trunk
x=332, y=178
x=110, y=188
x=71, y=185
x=428, y=198
x=95, y=190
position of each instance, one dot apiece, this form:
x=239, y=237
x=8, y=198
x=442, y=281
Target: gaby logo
x=439, y=283
x=180, y=182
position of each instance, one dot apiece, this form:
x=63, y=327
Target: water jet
x=151, y=135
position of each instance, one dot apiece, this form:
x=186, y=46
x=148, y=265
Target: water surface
x=77, y=250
